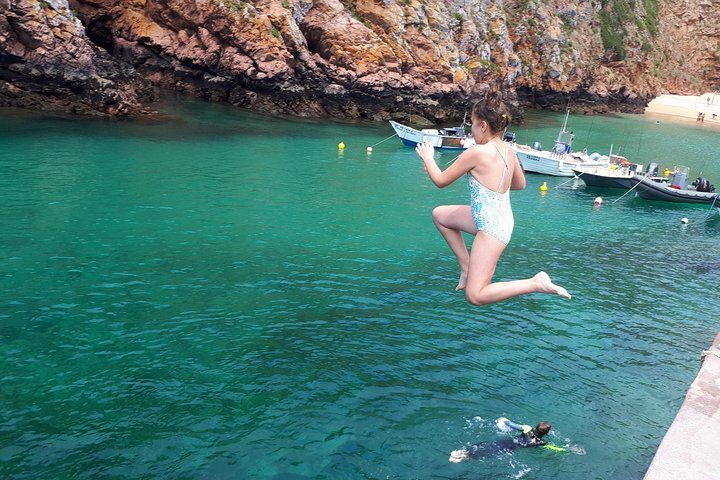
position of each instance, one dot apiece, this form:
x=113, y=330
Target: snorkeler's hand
x=425, y=151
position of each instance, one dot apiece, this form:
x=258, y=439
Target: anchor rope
x=381, y=141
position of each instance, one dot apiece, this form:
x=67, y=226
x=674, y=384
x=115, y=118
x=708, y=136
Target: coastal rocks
x=48, y=63
x=367, y=58
x=323, y=58
x=613, y=57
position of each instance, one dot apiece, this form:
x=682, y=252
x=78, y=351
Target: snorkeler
x=529, y=437
x=492, y=169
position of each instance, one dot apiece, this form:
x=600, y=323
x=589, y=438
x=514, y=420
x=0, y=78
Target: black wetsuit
x=490, y=449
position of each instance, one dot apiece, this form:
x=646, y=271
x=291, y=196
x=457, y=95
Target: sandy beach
x=688, y=106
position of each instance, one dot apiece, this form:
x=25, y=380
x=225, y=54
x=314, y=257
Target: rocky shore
x=353, y=59
x=48, y=63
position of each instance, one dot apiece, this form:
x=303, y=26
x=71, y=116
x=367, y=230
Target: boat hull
x=650, y=190
x=411, y=137
x=547, y=163
x=604, y=181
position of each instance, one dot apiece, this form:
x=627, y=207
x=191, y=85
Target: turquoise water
x=223, y=295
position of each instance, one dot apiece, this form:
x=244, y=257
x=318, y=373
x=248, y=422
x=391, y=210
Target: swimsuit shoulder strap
x=505, y=165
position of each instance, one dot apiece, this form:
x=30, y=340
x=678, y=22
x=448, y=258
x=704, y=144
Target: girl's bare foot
x=462, y=282
x=545, y=285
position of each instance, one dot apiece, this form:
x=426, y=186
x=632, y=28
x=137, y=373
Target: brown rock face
x=374, y=58
x=47, y=63
x=615, y=54
x=319, y=58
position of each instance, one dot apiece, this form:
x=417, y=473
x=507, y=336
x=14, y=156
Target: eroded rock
x=48, y=63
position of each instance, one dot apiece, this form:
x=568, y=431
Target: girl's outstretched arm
x=462, y=165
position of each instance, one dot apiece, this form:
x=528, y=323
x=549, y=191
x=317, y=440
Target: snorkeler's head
x=542, y=429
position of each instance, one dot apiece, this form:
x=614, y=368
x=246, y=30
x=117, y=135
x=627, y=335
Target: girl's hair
x=493, y=111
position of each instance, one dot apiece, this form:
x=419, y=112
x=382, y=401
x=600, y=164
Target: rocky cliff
x=361, y=58
x=48, y=63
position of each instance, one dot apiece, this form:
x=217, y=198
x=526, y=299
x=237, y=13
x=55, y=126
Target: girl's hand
x=426, y=152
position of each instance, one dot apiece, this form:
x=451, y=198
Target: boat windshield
x=681, y=170
x=566, y=137
x=454, y=131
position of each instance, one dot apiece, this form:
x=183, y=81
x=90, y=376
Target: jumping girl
x=492, y=170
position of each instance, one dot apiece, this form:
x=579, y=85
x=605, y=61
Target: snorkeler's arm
x=518, y=178
x=516, y=426
x=440, y=178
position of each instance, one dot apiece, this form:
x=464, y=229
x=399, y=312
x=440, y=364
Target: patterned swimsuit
x=491, y=210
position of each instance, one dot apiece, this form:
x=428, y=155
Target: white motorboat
x=559, y=161
x=450, y=138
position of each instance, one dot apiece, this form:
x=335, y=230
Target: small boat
x=617, y=174
x=560, y=160
x=451, y=138
x=677, y=191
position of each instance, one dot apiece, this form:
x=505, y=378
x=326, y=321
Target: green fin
x=554, y=448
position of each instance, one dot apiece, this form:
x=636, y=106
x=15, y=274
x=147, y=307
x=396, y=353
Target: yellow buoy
x=341, y=145
x=543, y=187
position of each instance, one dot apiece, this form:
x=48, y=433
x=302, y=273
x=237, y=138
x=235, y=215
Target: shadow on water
x=712, y=223
x=652, y=206
x=183, y=118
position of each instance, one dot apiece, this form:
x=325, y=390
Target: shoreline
x=688, y=107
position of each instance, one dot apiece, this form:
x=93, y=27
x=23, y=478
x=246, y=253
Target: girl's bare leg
x=451, y=221
x=486, y=251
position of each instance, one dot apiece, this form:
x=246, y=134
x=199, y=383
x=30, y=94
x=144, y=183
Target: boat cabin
x=453, y=132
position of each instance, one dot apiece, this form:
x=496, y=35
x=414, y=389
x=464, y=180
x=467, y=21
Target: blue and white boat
x=451, y=138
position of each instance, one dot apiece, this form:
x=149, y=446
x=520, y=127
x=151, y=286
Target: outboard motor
x=537, y=146
x=509, y=137
x=703, y=185
x=652, y=170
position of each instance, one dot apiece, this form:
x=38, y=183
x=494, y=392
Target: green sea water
x=224, y=295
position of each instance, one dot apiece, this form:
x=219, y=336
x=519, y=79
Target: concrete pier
x=691, y=447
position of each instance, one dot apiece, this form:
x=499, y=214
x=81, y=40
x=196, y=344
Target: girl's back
x=495, y=164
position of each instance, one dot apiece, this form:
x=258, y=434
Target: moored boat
x=558, y=165
x=559, y=161
x=451, y=138
x=677, y=191
x=617, y=174
x=604, y=177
